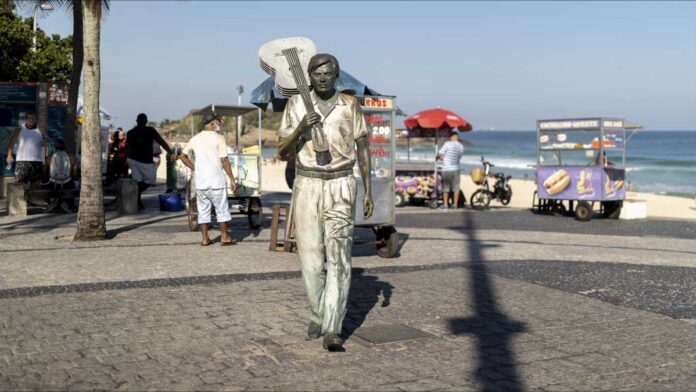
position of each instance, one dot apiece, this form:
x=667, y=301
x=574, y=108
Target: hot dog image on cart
x=581, y=167
x=246, y=168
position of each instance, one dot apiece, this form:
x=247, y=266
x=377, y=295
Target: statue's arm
x=364, y=165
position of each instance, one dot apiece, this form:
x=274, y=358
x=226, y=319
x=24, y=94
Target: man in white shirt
x=450, y=154
x=210, y=154
x=30, y=156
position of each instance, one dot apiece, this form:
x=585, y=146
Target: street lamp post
x=43, y=6
x=240, y=90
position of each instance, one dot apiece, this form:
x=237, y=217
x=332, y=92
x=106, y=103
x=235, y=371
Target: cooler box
x=171, y=202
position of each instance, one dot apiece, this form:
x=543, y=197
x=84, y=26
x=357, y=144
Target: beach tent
x=266, y=93
x=103, y=112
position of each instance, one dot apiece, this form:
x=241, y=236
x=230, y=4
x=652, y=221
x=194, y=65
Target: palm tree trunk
x=90, y=216
x=77, y=52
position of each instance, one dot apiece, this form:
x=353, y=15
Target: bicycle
x=482, y=197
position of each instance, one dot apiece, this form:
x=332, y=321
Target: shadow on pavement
x=111, y=234
x=364, y=294
x=492, y=329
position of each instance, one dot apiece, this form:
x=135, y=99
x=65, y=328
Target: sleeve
x=188, y=148
x=290, y=118
x=222, y=147
x=444, y=148
x=360, y=128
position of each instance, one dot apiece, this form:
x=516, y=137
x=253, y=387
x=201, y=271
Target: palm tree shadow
x=492, y=329
x=364, y=294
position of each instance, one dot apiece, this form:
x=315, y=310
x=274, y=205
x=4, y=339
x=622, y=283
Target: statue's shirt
x=343, y=123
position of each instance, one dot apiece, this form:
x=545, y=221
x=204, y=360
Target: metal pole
x=36, y=14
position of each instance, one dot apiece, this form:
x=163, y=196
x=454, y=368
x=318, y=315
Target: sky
x=499, y=65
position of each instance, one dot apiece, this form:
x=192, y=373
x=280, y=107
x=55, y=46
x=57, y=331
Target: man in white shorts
x=210, y=155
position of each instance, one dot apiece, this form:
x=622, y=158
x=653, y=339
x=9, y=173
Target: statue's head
x=323, y=71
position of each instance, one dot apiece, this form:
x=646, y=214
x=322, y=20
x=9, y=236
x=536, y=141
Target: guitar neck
x=298, y=75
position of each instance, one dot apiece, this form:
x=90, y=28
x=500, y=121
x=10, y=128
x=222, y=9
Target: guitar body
x=274, y=63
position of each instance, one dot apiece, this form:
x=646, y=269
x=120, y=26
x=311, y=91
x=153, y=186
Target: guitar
x=294, y=78
x=274, y=63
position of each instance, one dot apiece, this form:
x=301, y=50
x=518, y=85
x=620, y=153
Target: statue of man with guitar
x=322, y=128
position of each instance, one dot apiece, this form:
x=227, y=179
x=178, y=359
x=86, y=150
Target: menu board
x=17, y=92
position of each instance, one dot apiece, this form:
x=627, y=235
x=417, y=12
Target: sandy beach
x=659, y=206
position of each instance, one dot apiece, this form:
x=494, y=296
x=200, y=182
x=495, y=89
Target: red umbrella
x=437, y=119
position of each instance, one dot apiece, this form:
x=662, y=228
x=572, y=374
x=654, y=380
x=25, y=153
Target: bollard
x=127, y=194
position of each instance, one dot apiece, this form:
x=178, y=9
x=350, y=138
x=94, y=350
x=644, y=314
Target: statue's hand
x=368, y=206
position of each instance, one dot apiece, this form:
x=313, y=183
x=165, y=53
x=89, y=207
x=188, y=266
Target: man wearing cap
x=324, y=193
x=139, y=142
x=210, y=153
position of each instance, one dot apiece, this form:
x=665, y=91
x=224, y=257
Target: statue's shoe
x=333, y=342
x=314, y=331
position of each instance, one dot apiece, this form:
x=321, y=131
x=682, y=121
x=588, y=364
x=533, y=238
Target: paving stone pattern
x=489, y=333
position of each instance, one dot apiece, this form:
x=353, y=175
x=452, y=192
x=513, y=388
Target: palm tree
x=77, y=54
x=90, y=216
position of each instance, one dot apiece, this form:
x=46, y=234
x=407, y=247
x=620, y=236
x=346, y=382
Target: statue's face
x=323, y=78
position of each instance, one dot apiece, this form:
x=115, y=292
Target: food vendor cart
x=246, y=168
x=379, y=114
x=580, y=163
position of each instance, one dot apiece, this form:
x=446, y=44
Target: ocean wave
x=666, y=189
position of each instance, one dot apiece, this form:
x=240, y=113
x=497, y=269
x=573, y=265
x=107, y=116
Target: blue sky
x=497, y=64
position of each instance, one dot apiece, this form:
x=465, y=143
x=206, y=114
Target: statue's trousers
x=324, y=216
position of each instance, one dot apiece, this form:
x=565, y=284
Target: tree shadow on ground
x=364, y=294
x=492, y=329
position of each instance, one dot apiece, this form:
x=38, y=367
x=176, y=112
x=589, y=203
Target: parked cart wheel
x=611, y=209
x=434, y=203
x=387, y=242
x=255, y=213
x=583, y=211
x=480, y=199
x=399, y=199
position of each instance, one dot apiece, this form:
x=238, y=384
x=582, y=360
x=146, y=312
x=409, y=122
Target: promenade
x=491, y=300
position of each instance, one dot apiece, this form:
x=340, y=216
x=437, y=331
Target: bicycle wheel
x=507, y=195
x=480, y=199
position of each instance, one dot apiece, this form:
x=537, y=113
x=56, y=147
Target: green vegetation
x=52, y=60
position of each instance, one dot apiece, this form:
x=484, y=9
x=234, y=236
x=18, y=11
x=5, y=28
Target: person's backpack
x=60, y=168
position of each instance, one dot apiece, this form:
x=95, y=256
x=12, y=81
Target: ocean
x=662, y=162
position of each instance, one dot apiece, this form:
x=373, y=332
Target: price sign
x=380, y=103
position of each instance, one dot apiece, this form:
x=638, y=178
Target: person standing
x=211, y=164
x=450, y=154
x=139, y=151
x=30, y=156
x=323, y=195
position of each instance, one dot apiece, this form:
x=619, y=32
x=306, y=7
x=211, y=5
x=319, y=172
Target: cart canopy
x=224, y=110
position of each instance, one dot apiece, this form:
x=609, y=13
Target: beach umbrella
x=437, y=120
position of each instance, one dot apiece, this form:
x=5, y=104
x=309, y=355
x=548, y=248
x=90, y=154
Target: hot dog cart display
x=582, y=162
x=379, y=114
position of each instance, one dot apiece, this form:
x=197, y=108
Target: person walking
x=324, y=193
x=30, y=156
x=450, y=154
x=119, y=157
x=139, y=151
x=211, y=163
